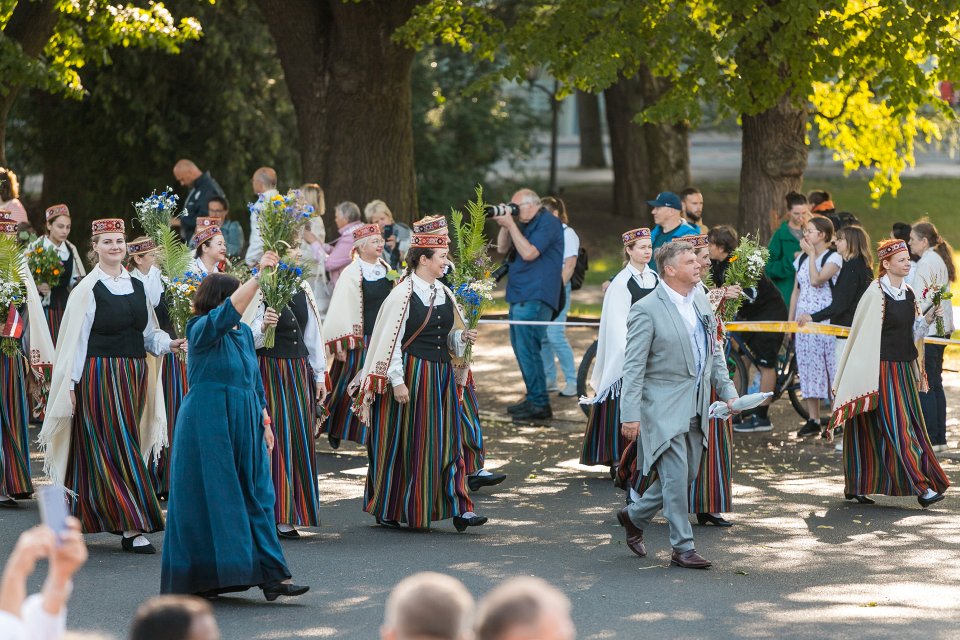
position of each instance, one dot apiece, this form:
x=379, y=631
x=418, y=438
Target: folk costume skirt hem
x=602, y=440
x=474, y=454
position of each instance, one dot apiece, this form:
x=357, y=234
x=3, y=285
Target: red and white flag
x=13, y=327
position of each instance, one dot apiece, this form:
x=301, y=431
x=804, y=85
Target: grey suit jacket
x=660, y=373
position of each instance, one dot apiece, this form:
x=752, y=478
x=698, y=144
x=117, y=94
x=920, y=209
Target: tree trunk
x=647, y=158
x=30, y=26
x=591, y=131
x=774, y=157
x=350, y=87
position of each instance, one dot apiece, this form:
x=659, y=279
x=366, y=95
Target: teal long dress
x=221, y=534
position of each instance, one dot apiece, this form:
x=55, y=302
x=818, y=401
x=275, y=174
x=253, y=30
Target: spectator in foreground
x=41, y=616
x=174, y=618
x=202, y=188
x=264, y=183
x=428, y=606
x=557, y=348
x=232, y=232
x=785, y=244
x=525, y=609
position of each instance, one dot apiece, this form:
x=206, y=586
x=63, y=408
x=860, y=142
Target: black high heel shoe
x=717, y=521
x=860, y=499
x=389, y=524
x=127, y=545
x=926, y=502
x=461, y=524
x=274, y=590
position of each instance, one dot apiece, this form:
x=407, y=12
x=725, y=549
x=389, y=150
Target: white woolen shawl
x=344, y=328
x=56, y=432
x=41, y=344
x=608, y=369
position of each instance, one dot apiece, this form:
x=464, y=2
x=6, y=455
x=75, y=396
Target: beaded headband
x=107, y=225
x=7, y=224
x=698, y=242
x=141, y=246
x=428, y=241
x=57, y=210
x=204, y=234
x=887, y=250
x=364, y=232
x=430, y=224
x=635, y=234
x=207, y=221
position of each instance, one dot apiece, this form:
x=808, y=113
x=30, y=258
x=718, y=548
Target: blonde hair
x=377, y=206
x=313, y=194
x=430, y=605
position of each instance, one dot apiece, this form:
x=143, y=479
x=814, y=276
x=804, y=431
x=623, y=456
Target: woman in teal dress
x=221, y=535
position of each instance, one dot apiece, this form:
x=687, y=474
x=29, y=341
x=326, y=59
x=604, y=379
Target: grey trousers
x=677, y=468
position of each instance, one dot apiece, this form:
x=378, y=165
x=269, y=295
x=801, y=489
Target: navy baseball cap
x=667, y=199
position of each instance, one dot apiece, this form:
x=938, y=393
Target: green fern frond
x=11, y=260
x=173, y=255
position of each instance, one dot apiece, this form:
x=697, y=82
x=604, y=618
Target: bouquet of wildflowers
x=179, y=296
x=13, y=294
x=279, y=286
x=472, y=284
x=746, y=268
x=45, y=265
x=280, y=219
x=938, y=293
x=155, y=211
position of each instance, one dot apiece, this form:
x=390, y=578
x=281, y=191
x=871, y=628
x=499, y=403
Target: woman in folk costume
x=363, y=286
x=407, y=395
x=173, y=373
x=105, y=416
x=34, y=355
x=886, y=449
x=474, y=453
x=223, y=538
x=55, y=294
x=294, y=372
x=602, y=441
x=210, y=249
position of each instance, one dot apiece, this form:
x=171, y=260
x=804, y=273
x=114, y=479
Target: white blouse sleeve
x=256, y=326
x=80, y=356
x=395, y=370
x=314, y=342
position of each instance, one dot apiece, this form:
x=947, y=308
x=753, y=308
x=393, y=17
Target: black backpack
x=823, y=261
x=579, y=270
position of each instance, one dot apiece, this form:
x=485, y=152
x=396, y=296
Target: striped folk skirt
x=174, y=379
x=106, y=470
x=291, y=403
x=473, y=452
x=712, y=492
x=887, y=450
x=14, y=422
x=342, y=422
x=54, y=319
x=416, y=471
x=602, y=441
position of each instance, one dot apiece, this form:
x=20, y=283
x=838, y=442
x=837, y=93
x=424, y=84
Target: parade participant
x=416, y=472
x=667, y=214
x=934, y=271
x=474, y=454
x=886, y=449
x=55, y=294
x=224, y=538
x=602, y=442
x=173, y=372
x=294, y=375
x=353, y=311
x=105, y=416
x=785, y=244
x=672, y=361
x=817, y=269
x=34, y=356
x=210, y=249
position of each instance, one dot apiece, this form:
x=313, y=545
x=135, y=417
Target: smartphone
x=387, y=231
x=53, y=508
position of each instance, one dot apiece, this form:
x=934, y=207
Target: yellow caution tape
x=810, y=327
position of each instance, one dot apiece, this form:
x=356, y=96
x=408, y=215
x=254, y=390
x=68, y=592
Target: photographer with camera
x=532, y=238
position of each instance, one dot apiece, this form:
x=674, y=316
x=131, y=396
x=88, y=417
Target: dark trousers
x=933, y=403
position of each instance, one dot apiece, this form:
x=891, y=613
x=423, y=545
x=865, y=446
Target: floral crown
x=204, y=234
x=698, y=242
x=56, y=211
x=428, y=241
x=430, y=224
x=141, y=246
x=635, y=234
x=364, y=232
x=7, y=224
x=891, y=247
x=107, y=225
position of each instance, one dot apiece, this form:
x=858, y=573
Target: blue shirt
x=539, y=279
x=659, y=238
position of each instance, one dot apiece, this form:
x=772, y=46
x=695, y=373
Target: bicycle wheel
x=739, y=371
x=584, y=372
x=793, y=390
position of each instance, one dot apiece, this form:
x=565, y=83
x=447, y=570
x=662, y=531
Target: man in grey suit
x=672, y=359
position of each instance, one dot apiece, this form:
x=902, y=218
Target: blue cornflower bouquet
x=281, y=219
x=179, y=296
x=472, y=283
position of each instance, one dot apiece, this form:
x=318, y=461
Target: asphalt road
x=799, y=563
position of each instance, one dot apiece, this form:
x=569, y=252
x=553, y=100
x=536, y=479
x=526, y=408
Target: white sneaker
x=839, y=447
x=569, y=391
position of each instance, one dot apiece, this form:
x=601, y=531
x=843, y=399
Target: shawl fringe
x=612, y=391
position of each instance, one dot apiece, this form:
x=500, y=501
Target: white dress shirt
x=695, y=328
x=155, y=340
x=255, y=248
x=423, y=290
x=647, y=279
x=152, y=284
x=311, y=338
x=63, y=251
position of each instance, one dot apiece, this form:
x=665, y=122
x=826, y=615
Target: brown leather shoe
x=634, y=534
x=689, y=560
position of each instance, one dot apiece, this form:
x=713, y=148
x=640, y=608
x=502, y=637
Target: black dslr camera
x=497, y=210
